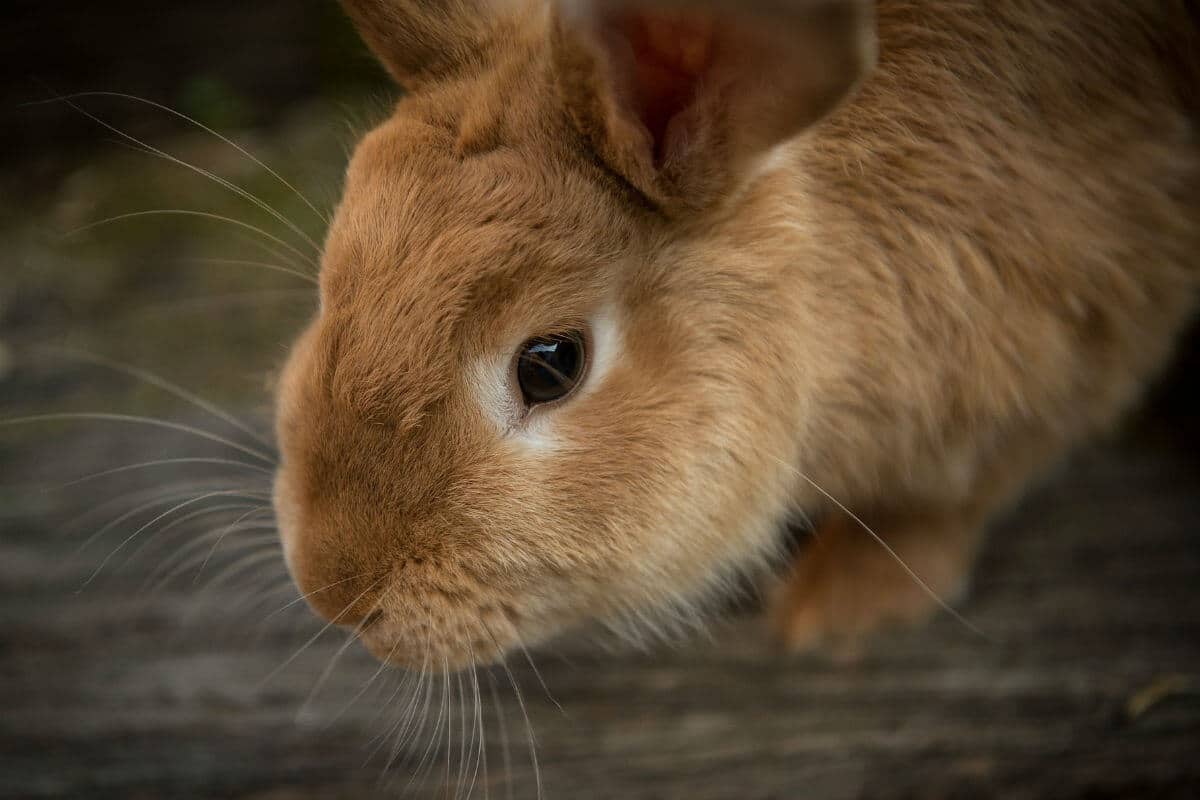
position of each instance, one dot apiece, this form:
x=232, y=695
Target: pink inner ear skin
x=671, y=52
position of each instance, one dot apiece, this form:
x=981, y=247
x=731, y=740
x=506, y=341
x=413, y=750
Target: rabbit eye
x=549, y=367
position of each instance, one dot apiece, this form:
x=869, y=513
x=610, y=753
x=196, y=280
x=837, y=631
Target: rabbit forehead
x=432, y=255
x=415, y=212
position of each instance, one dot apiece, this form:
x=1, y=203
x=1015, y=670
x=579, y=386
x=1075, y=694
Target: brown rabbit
x=622, y=285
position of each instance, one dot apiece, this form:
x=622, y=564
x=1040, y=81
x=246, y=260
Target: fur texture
x=911, y=301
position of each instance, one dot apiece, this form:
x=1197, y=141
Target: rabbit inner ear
x=671, y=52
x=682, y=98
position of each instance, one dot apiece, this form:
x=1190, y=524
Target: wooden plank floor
x=1087, y=686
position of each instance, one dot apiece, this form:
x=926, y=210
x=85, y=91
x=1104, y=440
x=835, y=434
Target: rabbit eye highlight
x=550, y=367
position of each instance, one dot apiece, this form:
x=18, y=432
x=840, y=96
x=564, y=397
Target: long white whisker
x=252, y=553
x=537, y=773
x=304, y=276
x=175, y=488
x=205, y=215
x=256, y=597
x=405, y=728
x=411, y=726
x=221, y=301
x=443, y=705
x=502, y=726
x=163, y=462
x=303, y=597
x=448, y=756
x=925, y=587
x=383, y=664
x=538, y=675
x=189, y=490
x=318, y=634
x=167, y=513
x=162, y=383
x=399, y=733
x=258, y=202
x=404, y=678
x=79, y=95
x=74, y=416
x=252, y=549
x=352, y=637
x=282, y=585
x=182, y=553
x=236, y=525
x=463, y=748
x=478, y=730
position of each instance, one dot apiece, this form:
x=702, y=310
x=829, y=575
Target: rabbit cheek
x=285, y=517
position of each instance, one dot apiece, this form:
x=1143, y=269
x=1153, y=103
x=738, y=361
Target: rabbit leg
x=856, y=577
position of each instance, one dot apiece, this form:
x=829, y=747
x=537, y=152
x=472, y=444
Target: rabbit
x=623, y=287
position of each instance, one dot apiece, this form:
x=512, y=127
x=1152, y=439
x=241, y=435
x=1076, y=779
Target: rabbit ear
x=682, y=96
x=423, y=40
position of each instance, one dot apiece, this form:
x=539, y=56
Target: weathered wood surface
x=1087, y=686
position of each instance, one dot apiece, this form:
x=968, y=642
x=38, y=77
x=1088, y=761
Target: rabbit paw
x=847, y=584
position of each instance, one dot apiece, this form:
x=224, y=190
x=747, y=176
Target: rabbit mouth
x=427, y=635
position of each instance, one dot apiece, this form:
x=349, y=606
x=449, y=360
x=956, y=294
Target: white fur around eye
x=501, y=403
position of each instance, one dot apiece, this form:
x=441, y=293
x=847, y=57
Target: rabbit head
x=536, y=392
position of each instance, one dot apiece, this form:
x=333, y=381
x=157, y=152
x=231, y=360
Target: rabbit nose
x=324, y=561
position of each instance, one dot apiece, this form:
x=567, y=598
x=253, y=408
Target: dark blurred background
x=232, y=64
x=1088, y=685
x=288, y=80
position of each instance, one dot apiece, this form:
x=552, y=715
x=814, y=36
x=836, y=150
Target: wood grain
x=1088, y=684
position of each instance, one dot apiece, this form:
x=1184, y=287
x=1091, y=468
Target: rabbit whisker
x=180, y=115
x=239, y=262
x=303, y=597
x=319, y=633
x=159, y=382
x=163, y=515
x=72, y=416
x=220, y=301
x=258, y=202
x=193, y=213
x=405, y=677
x=255, y=550
x=921, y=584
x=502, y=727
x=180, y=563
x=538, y=675
x=537, y=773
x=435, y=740
x=189, y=490
x=408, y=722
x=409, y=731
x=408, y=725
x=180, y=522
x=173, y=489
x=481, y=751
x=383, y=664
x=351, y=637
x=236, y=525
x=164, y=462
x=462, y=739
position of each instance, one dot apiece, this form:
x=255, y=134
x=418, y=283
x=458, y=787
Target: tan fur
x=915, y=305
